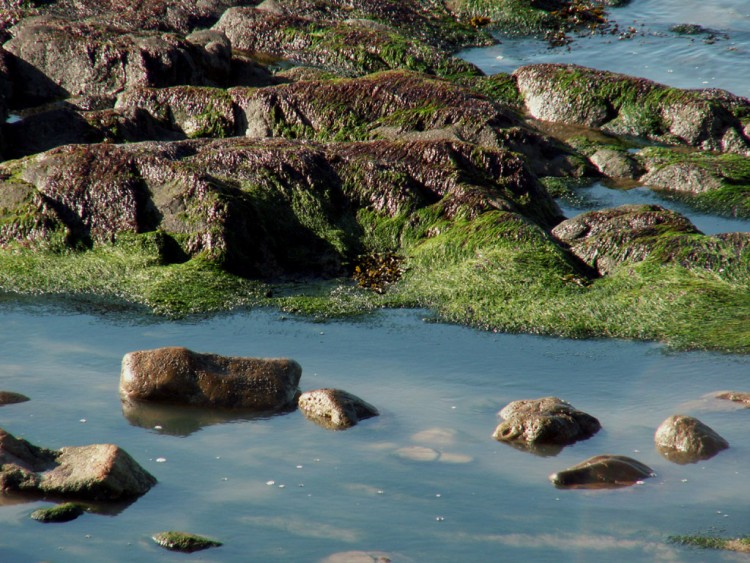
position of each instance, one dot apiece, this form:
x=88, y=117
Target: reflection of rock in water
x=541, y=450
x=178, y=420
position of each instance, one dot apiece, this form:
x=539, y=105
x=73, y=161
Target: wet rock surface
x=334, y=409
x=101, y=472
x=179, y=376
x=11, y=398
x=684, y=439
x=740, y=397
x=539, y=423
x=184, y=542
x=602, y=472
x=60, y=513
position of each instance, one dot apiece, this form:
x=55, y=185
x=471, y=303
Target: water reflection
x=178, y=420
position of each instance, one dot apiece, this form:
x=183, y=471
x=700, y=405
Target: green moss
x=514, y=17
x=60, y=513
x=710, y=542
x=181, y=541
x=499, y=87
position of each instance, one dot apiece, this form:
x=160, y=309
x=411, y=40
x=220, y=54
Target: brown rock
x=10, y=398
x=684, y=439
x=179, y=376
x=95, y=472
x=735, y=396
x=602, y=472
x=547, y=421
x=334, y=409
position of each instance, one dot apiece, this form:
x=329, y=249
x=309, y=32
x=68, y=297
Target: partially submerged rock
x=96, y=472
x=602, y=472
x=11, y=398
x=544, y=422
x=334, y=409
x=179, y=376
x=740, y=397
x=184, y=542
x=60, y=513
x=684, y=439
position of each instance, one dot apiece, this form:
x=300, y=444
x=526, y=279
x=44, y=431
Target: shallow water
x=654, y=52
x=283, y=489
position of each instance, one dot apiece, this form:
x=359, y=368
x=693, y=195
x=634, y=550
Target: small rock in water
x=334, y=409
x=181, y=541
x=602, y=472
x=10, y=398
x=60, y=513
x=684, y=439
x=736, y=397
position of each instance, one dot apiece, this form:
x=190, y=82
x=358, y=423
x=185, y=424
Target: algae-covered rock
x=184, y=542
x=60, y=513
x=602, y=472
x=98, y=472
x=334, y=408
x=179, y=376
x=544, y=422
x=57, y=58
x=621, y=104
x=740, y=397
x=608, y=238
x=684, y=439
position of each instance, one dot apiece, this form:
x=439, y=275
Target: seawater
x=424, y=481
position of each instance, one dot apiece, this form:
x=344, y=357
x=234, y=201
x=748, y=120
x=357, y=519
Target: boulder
x=616, y=164
x=624, y=105
x=684, y=439
x=179, y=376
x=57, y=58
x=334, y=409
x=102, y=472
x=544, y=422
x=602, y=472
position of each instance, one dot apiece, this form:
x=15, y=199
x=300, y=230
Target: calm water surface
x=283, y=489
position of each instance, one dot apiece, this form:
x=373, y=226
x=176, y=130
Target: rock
x=625, y=105
x=97, y=472
x=549, y=421
x=607, y=238
x=684, y=439
x=179, y=376
x=735, y=396
x=60, y=513
x=616, y=164
x=56, y=58
x=361, y=557
x=334, y=409
x=186, y=543
x=602, y=472
x=10, y=398
x=681, y=177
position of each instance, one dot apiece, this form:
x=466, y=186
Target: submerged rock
x=60, y=513
x=186, y=543
x=684, y=439
x=97, y=472
x=179, y=376
x=735, y=396
x=602, y=472
x=334, y=409
x=544, y=422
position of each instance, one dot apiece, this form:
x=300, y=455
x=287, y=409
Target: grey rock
x=602, y=472
x=334, y=409
x=684, y=439
x=546, y=421
x=616, y=164
x=179, y=376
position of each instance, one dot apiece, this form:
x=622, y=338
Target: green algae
x=184, y=542
x=60, y=513
x=741, y=544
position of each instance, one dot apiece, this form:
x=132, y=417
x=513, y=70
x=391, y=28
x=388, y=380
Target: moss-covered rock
x=182, y=541
x=624, y=105
x=741, y=545
x=61, y=513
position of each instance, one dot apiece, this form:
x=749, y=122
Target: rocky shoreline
x=195, y=159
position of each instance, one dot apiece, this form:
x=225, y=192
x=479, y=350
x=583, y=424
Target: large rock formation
x=179, y=376
x=684, y=439
x=101, y=472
